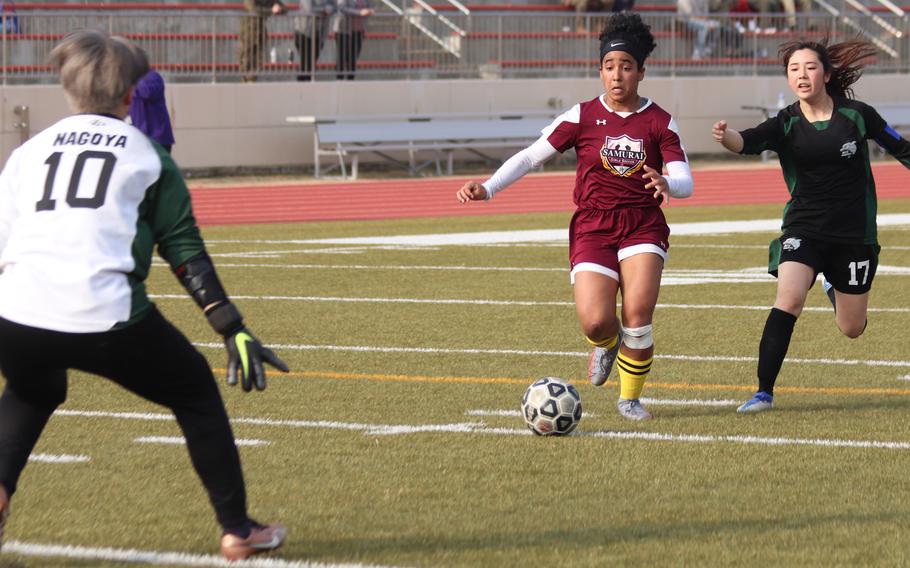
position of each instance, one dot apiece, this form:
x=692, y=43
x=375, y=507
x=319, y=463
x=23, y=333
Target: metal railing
x=205, y=47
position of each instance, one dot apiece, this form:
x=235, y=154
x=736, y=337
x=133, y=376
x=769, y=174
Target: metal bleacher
x=195, y=40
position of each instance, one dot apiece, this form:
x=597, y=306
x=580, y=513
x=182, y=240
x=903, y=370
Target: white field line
x=645, y=400
x=690, y=402
x=481, y=428
x=904, y=378
x=181, y=441
x=443, y=301
x=158, y=557
x=59, y=458
x=510, y=413
x=534, y=353
x=561, y=235
x=670, y=277
x=396, y=267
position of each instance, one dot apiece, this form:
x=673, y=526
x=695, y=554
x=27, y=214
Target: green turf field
x=388, y=443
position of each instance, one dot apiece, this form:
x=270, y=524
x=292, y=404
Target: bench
x=441, y=134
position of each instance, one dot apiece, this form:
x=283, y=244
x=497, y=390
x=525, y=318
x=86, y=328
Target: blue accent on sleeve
x=892, y=132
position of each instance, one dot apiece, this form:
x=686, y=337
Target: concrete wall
x=243, y=125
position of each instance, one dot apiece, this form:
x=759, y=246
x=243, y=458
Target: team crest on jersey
x=848, y=149
x=792, y=243
x=623, y=155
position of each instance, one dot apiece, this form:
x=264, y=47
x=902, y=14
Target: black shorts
x=849, y=268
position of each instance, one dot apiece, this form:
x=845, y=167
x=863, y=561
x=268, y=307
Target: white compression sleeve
x=518, y=165
x=679, y=179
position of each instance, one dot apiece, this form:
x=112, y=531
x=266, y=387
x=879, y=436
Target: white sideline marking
x=122, y=415
x=397, y=267
x=435, y=350
x=181, y=441
x=645, y=400
x=159, y=557
x=59, y=458
x=453, y=301
x=481, y=428
x=562, y=235
x=904, y=378
x=699, y=438
x=689, y=402
x=511, y=413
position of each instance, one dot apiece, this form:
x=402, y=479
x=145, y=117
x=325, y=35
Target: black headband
x=623, y=44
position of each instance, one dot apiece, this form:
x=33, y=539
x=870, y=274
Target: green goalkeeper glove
x=245, y=358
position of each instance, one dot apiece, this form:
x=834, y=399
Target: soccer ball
x=551, y=407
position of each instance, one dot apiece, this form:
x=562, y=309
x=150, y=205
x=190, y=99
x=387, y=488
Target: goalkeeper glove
x=245, y=352
x=245, y=360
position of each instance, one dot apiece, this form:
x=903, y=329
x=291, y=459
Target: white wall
x=243, y=125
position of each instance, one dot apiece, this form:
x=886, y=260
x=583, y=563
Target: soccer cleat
x=632, y=409
x=760, y=402
x=4, y=512
x=261, y=539
x=601, y=362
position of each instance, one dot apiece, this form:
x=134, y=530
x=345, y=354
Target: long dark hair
x=844, y=60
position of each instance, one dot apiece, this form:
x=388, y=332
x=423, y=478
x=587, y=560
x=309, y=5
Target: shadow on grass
x=638, y=534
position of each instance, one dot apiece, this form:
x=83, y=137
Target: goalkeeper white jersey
x=81, y=206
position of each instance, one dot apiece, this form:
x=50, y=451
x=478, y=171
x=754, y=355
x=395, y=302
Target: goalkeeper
x=82, y=205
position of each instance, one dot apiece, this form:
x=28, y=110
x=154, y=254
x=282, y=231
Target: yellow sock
x=632, y=375
x=608, y=343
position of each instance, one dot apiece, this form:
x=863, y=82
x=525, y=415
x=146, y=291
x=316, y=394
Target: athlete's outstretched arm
x=730, y=139
x=246, y=354
x=511, y=171
x=894, y=144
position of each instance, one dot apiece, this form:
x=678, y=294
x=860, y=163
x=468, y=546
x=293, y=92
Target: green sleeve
x=170, y=215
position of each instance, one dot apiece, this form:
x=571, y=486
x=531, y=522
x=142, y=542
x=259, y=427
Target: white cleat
x=601, y=363
x=632, y=409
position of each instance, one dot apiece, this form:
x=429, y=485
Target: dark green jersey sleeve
x=879, y=130
x=170, y=215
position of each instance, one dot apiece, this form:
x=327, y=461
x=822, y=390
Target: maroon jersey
x=612, y=150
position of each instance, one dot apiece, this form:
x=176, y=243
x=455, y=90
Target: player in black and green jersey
x=829, y=223
x=82, y=206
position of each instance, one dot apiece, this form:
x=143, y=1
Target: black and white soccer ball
x=551, y=407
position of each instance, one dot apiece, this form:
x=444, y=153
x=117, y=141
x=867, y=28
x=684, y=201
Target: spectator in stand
x=312, y=29
x=582, y=6
x=148, y=111
x=252, y=34
x=349, y=27
x=694, y=14
x=622, y=5
x=790, y=7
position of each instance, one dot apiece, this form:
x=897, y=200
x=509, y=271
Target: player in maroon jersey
x=618, y=237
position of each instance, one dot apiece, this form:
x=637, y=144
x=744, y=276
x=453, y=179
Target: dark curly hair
x=628, y=26
x=844, y=60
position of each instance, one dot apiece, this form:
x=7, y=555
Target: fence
x=418, y=44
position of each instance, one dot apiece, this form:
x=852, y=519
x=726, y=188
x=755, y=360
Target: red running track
x=435, y=197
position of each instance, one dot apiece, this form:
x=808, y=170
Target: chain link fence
x=417, y=44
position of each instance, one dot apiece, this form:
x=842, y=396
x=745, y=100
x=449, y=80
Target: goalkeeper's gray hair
x=97, y=70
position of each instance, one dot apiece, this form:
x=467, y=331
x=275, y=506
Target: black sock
x=831, y=297
x=773, y=348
